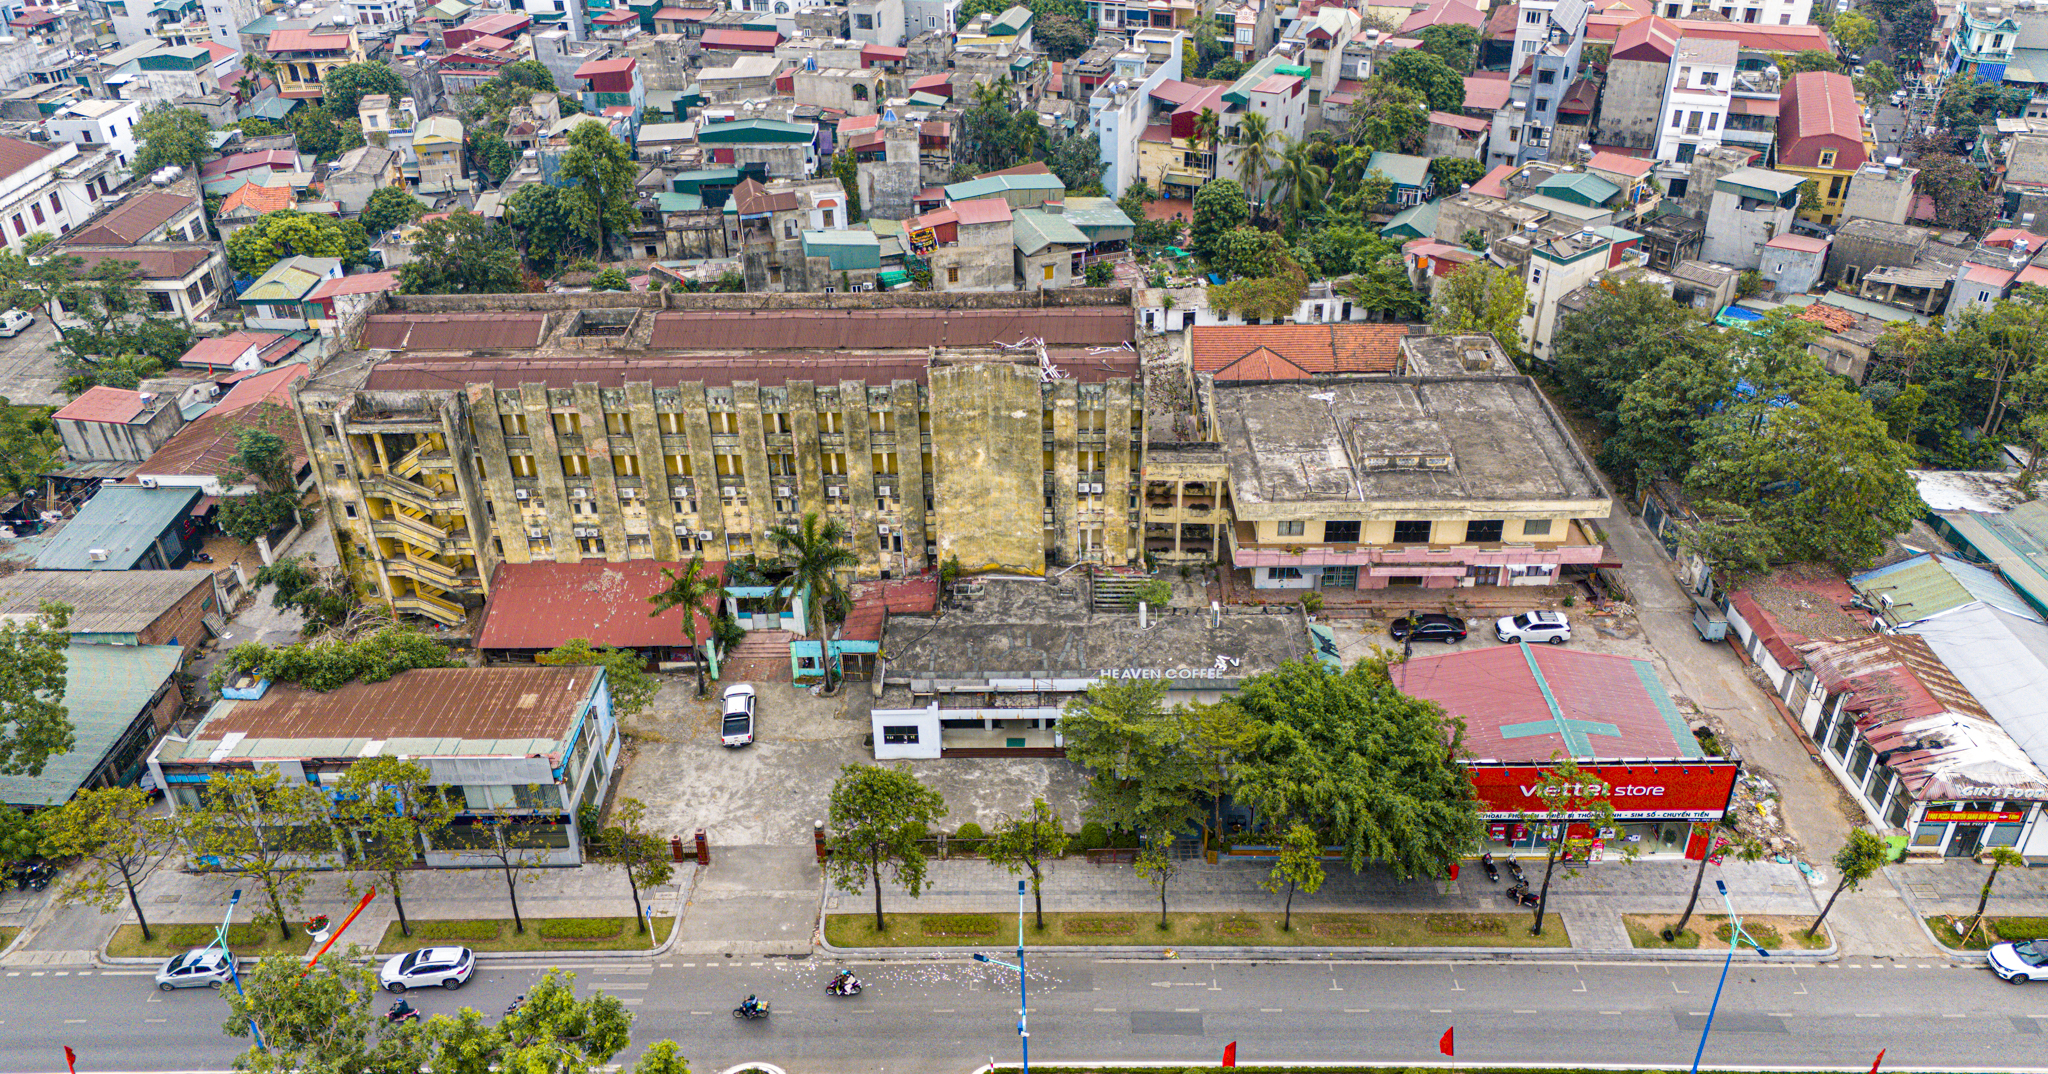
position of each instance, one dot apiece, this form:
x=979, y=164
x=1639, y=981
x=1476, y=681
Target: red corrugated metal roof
x=1506, y=712
x=883, y=52
x=1754, y=106
x=542, y=605
x=362, y=283
x=1317, y=348
x=618, y=66
x=881, y=329
x=468, y=703
x=101, y=403
x=872, y=603
x=1486, y=94
x=452, y=331
x=743, y=40
x=1634, y=167
x=715, y=370
x=286, y=40
x=983, y=211
x=1460, y=122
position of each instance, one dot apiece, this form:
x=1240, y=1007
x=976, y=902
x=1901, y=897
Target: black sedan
x=1432, y=627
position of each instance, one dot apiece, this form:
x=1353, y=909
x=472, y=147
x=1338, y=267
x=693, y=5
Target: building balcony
x=424, y=536
x=446, y=613
x=410, y=493
x=439, y=575
x=1578, y=547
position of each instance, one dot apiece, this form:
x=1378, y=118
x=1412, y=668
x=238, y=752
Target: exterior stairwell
x=1114, y=592
x=761, y=656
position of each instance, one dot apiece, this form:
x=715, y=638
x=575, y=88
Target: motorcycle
x=518, y=1001
x=402, y=1012
x=750, y=1010
x=38, y=876
x=1515, y=870
x=1522, y=895
x=845, y=984
x=1492, y=871
x=201, y=557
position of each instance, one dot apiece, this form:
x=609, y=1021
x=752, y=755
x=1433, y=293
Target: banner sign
x=923, y=241
x=1673, y=790
x=1964, y=816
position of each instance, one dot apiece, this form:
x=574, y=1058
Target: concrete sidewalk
x=1591, y=903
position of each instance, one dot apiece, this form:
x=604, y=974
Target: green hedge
x=454, y=930
x=1093, y=836
x=969, y=831
x=579, y=928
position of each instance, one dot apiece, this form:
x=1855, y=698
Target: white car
x=426, y=967
x=15, y=322
x=2018, y=963
x=1552, y=627
x=738, y=727
x=201, y=967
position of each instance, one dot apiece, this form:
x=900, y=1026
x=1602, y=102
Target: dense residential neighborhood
x=1352, y=506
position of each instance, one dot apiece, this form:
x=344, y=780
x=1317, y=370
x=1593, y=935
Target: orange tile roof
x=1263, y=352
x=263, y=199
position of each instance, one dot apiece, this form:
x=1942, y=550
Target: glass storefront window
x=1929, y=835
x=1859, y=765
x=1902, y=804
x=1845, y=732
x=2003, y=835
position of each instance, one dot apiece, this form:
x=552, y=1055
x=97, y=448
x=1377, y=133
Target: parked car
x=201, y=967
x=1428, y=627
x=1552, y=627
x=1842, y=6
x=738, y=729
x=2018, y=963
x=15, y=322
x=426, y=967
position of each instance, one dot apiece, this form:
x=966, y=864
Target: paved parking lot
x=29, y=372
x=1614, y=632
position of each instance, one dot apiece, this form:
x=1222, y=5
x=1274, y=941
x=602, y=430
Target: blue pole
x=1023, y=994
x=1736, y=935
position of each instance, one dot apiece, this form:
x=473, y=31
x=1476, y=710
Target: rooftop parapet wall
x=924, y=300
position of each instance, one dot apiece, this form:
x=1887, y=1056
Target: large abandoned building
x=460, y=432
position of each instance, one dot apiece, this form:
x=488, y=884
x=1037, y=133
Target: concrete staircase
x=761, y=656
x=1114, y=592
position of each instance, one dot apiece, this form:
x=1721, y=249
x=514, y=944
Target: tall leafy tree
x=388, y=207
x=493, y=154
x=547, y=228
x=1390, y=117
x=258, y=828
x=324, y=595
x=346, y=86
x=1357, y=758
x=816, y=551
x=34, y=724
x=1854, y=32
x=876, y=818
x=118, y=841
x=1624, y=333
x=1217, y=738
x=1077, y=161
x=263, y=460
x=394, y=812
x=1453, y=173
x=29, y=447
x=1158, y=865
x=1426, y=73
x=1481, y=298
x=1140, y=777
x=625, y=671
x=1025, y=842
x=1718, y=844
x=1300, y=866
x=166, y=136
x=1455, y=44
x=111, y=336
x=1858, y=860
x=1062, y=37
x=320, y=1018
x=254, y=248
x=1957, y=190
x=642, y=855
x=460, y=254
x=697, y=590
x=602, y=199
x=1220, y=207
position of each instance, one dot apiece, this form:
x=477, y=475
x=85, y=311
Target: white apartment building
x=1696, y=96
x=94, y=123
x=1758, y=12
x=51, y=187
x=225, y=19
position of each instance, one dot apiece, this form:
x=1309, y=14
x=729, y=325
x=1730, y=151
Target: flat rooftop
x=1397, y=441
x=1012, y=635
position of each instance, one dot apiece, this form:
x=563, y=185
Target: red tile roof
x=362, y=283
x=1317, y=348
x=618, y=66
x=16, y=154
x=1633, y=167
x=101, y=403
x=1487, y=94
x=1649, y=38
x=1817, y=112
x=1755, y=106
x=885, y=329
x=1491, y=184
x=542, y=605
x=223, y=350
x=135, y=217
x=256, y=196
x=1445, y=13
x=1463, y=123
x=305, y=41
x=153, y=261
x=983, y=211
x=1803, y=243
x=452, y=331
x=274, y=159
x=207, y=446
x=743, y=40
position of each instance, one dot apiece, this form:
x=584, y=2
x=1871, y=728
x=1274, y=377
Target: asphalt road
x=950, y=1016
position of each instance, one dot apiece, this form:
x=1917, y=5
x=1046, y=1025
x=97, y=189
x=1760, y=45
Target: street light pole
x=1735, y=937
x=1023, y=993
x=234, y=973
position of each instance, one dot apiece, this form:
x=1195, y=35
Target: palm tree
x=1255, y=155
x=1301, y=178
x=693, y=587
x=819, y=551
x=1209, y=131
x=245, y=88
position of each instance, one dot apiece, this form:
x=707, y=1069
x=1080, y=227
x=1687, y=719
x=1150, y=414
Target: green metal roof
x=1416, y=222
x=669, y=201
x=291, y=279
x=1401, y=168
x=1099, y=218
x=106, y=687
x=274, y=109
x=1036, y=229
x=1933, y=583
x=124, y=521
x=757, y=130
x=264, y=24
x=1010, y=23
x=1582, y=187
x=926, y=100
x=852, y=248
x=2015, y=542
x=989, y=186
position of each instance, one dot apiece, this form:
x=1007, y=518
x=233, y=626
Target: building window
x=38, y=211
x=1412, y=531
x=1048, y=273
x=1340, y=531
x=19, y=227
x=1827, y=158
x=1709, y=78
x=1535, y=527
x=349, y=509
x=1289, y=529
x=1483, y=531
x=952, y=274
x=1283, y=574
x=1677, y=117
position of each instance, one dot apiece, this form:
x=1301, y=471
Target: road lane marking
x=1271, y=1010
x=1860, y=1014
x=1358, y=1010
x=1674, y=988
x=944, y=1010
x=1519, y=1011
x=625, y=986
x=74, y=1021
x=1105, y=1010
x=1955, y=1016
x=156, y=1019
x=634, y=1002
x=1611, y=1012
x=1187, y=1010
x=1434, y=1010
x=700, y=1012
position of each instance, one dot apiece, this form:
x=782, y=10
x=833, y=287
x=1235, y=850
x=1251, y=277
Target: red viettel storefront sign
x=1668, y=791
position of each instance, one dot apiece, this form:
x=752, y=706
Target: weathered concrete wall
x=1631, y=102
x=1070, y=297
x=990, y=485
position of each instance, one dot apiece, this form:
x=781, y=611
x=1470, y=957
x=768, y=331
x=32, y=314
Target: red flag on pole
x=1230, y=1054
x=1444, y=1045
x=1873, y=1063
x=71, y=1059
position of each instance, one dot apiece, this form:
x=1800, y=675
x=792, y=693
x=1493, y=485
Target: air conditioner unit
x=97, y=555
x=579, y=494
x=703, y=535
x=105, y=481
x=784, y=491
x=682, y=529
x=884, y=491
x=729, y=492
x=1096, y=488
x=629, y=494
x=149, y=482
x=536, y=531
x=519, y=494
x=832, y=492
x=882, y=528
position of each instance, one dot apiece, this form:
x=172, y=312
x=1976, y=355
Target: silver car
x=201, y=967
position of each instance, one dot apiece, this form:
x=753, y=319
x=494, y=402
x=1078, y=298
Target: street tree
x=169, y=136
x=1859, y=859
x=460, y=254
x=1720, y=841
x=319, y=1019
x=1300, y=866
x=642, y=855
x=34, y=724
x=1216, y=738
x=817, y=553
x=1622, y=334
x=260, y=829
x=662, y=1057
x=1426, y=73
x=1025, y=842
x=262, y=459
x=2000, y=858
x=1158, y=865
x=602, y=200
x=118, y=842
x=625, y=671
x=553, y=1032
x=324, y=595
x=517, y=844
x=1572, y=799
x=394, y=811
x=1735, y=546
x=345, y=86
x=23, y=837
x=700, y=592
x=1140, y=777
x=389, y=207
x=1482, y=298
x=1368, y=765
x=876, y=818
x=29, y=447
x=254, y=248
x=1854, y=32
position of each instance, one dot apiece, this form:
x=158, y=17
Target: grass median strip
x=7, y=935
x=1236, y=929
x=542, y=934
x=1710, y=932
x=246, y=940
x=1994, y=930
x=1039, y=1069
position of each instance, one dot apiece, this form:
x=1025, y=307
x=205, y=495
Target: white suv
x=1552, y=627
x=737, y=729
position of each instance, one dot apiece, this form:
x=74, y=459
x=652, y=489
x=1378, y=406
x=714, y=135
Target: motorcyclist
x=751, y=1005
x=399, y=1010
x=845, y=982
